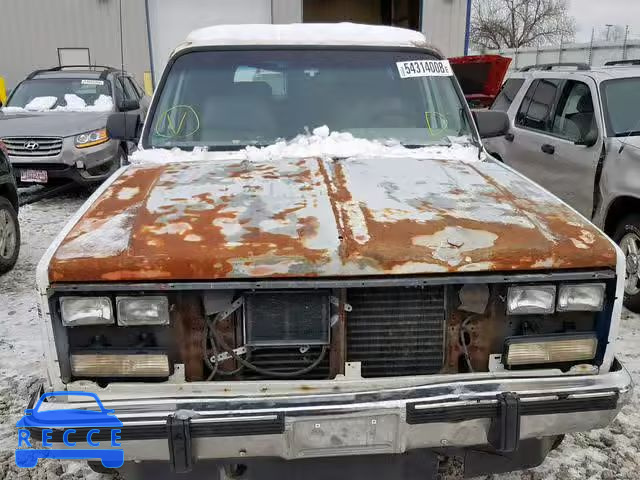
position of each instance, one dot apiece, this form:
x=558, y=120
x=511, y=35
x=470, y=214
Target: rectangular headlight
x=86, y=311
x=587, y=297
x=534, y=350
x=134, y=311
x=106, y=365
x=531, y=299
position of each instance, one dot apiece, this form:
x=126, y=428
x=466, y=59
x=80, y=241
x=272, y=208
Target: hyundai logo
x=31, y=145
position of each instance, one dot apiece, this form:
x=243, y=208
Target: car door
x=546, y=129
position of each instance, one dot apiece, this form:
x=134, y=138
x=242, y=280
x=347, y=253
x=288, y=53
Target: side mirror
x=491, y=123
x=124, y=126
x=128, y=105
x=589, y=140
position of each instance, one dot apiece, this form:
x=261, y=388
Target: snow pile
x=321, y=143
x=307, y=34
x=104, y=103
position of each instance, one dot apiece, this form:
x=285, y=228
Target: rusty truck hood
x=232, y=219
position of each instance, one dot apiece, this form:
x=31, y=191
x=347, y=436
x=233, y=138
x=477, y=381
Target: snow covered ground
x=613, y=453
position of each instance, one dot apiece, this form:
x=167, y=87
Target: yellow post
x=3, y=91
x=148, y=83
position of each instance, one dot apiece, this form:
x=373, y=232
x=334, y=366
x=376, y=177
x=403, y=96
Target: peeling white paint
x=99, y=238
x=450, y=243
x=578, y=244
x=127, y=193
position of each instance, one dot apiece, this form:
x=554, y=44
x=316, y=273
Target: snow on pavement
x=612, y=453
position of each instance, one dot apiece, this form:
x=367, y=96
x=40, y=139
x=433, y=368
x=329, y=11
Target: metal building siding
x=33, y=30
x=444, y=24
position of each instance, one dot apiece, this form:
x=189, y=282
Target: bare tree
x=520, y=23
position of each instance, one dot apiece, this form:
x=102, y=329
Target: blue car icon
x=91, y=422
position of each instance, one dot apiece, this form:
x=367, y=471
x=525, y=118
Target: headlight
x=534, y=350
x=587, y=297
x=86, y=311
x=531, y=299
x=92, y=138
x=142, y=311
x=106, y=365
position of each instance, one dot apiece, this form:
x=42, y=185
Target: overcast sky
x=598, y=13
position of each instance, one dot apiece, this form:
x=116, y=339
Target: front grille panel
x=24, y=146
x=396, y=331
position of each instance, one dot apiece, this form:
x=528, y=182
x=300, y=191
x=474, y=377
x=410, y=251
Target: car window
x=508, y=92
x=535, y=111
x=118, y=91
x=129, y=91
x=130, y=87
x=574, y=116
x=621, y=101
x=237, y=98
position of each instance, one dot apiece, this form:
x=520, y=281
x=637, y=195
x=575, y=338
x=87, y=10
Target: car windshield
x=60, y=94
x=237, y=98
x=621, y=98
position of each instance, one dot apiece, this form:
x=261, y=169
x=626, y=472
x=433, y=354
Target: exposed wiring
x=463, y=342
x=214, y=337
x=263, y=371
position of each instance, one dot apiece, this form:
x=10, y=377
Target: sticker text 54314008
x=424, y=68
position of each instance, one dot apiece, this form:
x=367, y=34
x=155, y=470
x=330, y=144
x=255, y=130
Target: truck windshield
x=621, y=98
x=62, y=94
x=237, y=98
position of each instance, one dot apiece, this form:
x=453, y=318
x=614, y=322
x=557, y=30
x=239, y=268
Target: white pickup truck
x=313, y=266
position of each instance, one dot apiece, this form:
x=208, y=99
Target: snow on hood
x=307, y=34
x=104, y=103
x=321, y=143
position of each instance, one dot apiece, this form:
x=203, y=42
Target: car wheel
x=9, y=236
x=628, y=237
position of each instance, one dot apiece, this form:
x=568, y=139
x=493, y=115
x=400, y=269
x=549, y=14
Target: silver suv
x=576, y=131
x=54, y=123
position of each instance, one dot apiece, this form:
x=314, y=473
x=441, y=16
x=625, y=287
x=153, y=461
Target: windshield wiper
x=630, y=133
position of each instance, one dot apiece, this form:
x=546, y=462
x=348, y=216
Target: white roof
x=307, y=34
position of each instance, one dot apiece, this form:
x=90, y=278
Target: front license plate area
x=345, y=436
x=34, y=176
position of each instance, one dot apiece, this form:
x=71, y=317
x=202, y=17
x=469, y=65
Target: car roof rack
x=551, y=66
x=614, y=63
x=106, y=70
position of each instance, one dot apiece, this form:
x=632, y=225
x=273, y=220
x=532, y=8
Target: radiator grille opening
x=396, y=331
x=33, y=146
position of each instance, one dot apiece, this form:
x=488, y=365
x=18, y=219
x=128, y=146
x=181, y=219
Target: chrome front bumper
x=497, y=412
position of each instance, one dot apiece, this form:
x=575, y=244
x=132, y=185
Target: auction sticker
x=424, y=68
x=92, y=82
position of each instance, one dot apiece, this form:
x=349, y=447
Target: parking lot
x=613, y=453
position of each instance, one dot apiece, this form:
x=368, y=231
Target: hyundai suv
x=9, y=228
x=54, y=123
x=575, y=130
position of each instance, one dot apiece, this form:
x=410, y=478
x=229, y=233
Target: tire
x=626, y=235
x=9, y=236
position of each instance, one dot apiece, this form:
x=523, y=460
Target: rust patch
x=316, y=217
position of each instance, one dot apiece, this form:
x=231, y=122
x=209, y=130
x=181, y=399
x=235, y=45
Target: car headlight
x=588, y=297
x=540, y=349
x=110, y=365
x=142, y=311
x=86, y=311
x=531, y=299
x=92, y=138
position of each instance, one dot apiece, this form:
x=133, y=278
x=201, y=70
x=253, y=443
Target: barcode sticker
x=92, y=82
x=424, y=68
